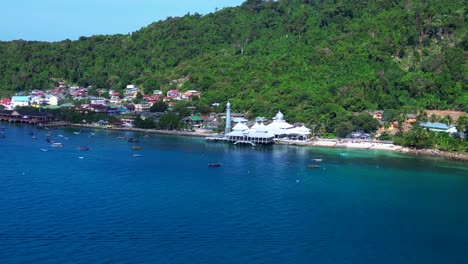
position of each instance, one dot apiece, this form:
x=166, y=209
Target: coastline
x=327, y=143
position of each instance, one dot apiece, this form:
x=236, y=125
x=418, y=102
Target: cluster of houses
x=410, y=119
x=117, y=103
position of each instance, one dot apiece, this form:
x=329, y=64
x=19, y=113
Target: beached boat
x=313, y=166
x=83, y=148
x=214, y=164
x=57, y=145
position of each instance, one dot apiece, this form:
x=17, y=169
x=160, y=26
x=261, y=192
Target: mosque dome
x=279, y=116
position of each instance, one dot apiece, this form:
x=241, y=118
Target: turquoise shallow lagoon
x=263, y=205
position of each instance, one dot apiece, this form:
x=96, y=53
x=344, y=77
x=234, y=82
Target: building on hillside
x=411, y=118
x=438, y=127
x=377, y=114
x=142, y=107
x=6, y=102
x=191, y=93
x=19, y=101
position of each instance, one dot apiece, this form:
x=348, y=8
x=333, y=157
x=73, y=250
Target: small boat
x=57, y=145
x=34, y=137
x=313, y=166
x=44, y=150
x=82, y=148
x=214, y=164
x=317, y=160
x=77, y=132
x=136, y=155
x=30, y=133
x=48, y=140
x=121, y=137
x=137, y=147
x=132, y=140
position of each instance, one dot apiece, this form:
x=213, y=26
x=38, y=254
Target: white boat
x=44, y=150
x=57, y=145
x=317, y=160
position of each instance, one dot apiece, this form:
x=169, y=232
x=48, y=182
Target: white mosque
x=260, y=133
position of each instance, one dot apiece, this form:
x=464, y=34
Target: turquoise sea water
x=262, y=206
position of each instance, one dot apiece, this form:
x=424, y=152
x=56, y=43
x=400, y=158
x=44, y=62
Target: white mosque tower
x=228, y=118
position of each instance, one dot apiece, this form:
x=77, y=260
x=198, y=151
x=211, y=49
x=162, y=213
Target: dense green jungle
x=315, y=60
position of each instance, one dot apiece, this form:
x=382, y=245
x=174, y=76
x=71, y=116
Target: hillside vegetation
x=314, y=60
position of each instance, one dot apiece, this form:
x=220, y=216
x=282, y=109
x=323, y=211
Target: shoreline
x=326, y=143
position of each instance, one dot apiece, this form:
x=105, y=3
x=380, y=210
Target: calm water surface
x=262, y=206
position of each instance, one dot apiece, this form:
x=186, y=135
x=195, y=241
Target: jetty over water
x=25, y=116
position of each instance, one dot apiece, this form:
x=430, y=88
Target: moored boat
x=137, y=147
x=313, y=166
x=132, y=140
x=57, y=145
x=214, y=164
x=83, y=148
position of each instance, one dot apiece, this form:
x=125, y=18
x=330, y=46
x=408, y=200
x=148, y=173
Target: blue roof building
x=439, y=127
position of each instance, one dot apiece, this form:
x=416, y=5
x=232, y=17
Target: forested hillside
x=314, y=60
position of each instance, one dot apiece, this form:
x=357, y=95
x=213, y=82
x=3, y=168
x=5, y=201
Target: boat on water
x=48, y=140
x=317, y=160
x=214, y=164
x=57, y=145
x=132, y=140
x=137, y=147
x=77, y=132
x=82, y=148
x=136, y=155
x=44, y=150
x=313, y=166
x=121, y=137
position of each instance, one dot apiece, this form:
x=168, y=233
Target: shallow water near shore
x=263, y=205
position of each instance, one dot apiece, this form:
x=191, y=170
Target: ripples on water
x=262, y=206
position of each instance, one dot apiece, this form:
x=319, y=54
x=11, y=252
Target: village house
x=438, y=127
x=19, y=101
x=142, y=107
x=191, y=93
x=174, y=94
x=6, y=102
x=411, y=118
x=378, y=114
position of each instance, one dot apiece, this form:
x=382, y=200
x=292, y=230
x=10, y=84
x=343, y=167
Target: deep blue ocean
x=263, y=205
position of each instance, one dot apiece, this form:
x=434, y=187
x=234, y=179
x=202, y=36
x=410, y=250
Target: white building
x=19, y=101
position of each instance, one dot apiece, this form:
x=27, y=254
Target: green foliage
x=314, y=60
x=158, y=106
x=147, y=123
x=170, y=121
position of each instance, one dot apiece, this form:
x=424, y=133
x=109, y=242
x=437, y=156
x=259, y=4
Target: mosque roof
x=240, y=127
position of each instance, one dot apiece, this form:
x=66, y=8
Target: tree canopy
x=314, y=60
